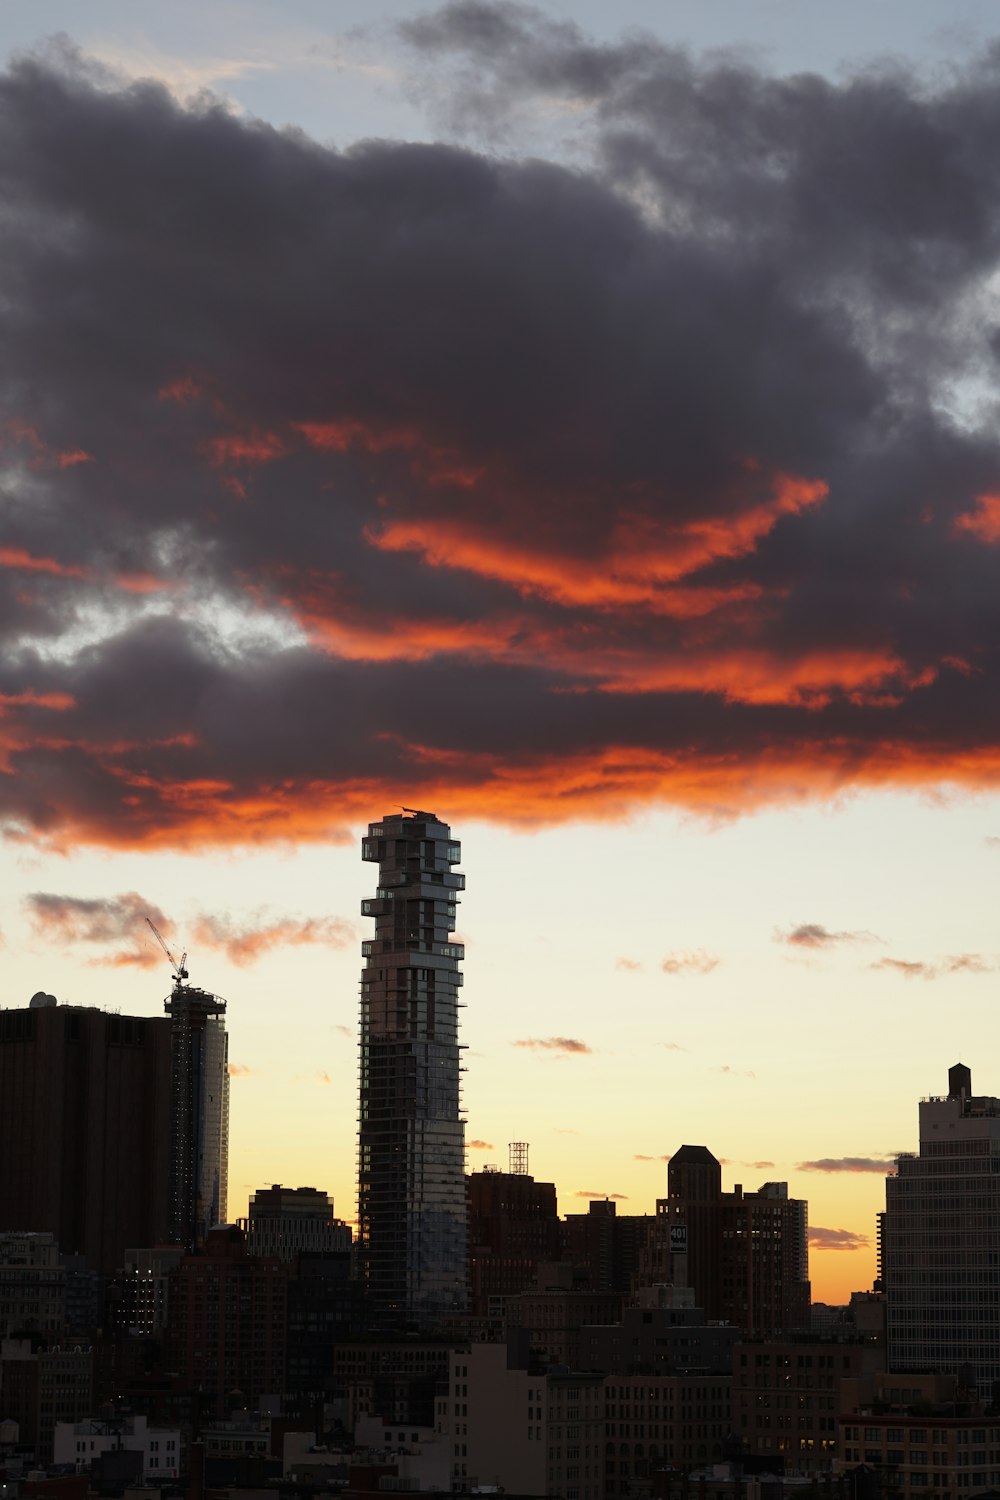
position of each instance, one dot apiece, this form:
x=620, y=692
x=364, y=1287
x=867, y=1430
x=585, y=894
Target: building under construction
x=412, y=1217
x=199, y=1108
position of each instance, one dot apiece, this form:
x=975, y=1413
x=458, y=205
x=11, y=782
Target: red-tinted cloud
x=569, y=1046
x=480, y=1145
x=696, y=962
x=246, y=942
x=118, y=923
x=484, y=486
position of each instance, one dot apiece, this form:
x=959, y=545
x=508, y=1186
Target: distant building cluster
x=469, y=1339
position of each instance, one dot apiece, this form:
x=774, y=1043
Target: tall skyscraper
x=84, y=1127
x=199, y=1113
x=412, y=1218
x=940, y=1246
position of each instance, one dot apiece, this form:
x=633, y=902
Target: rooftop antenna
x=180, y=970
x=518, y=1158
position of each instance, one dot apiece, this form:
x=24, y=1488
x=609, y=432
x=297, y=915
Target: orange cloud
x=245, y=944
x=983, y=521
x=182, y=390
x=16, y=557
x=480, y=1145
x=698, y=962
x=55, y=701
x=643, y=559
x=569, y=1045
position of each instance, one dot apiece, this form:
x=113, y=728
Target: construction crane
x=180, y=970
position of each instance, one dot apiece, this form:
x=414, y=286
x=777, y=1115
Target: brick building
x=227, y=1319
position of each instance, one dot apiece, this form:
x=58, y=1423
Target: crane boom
x=180, y=972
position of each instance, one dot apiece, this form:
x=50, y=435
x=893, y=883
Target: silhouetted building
x=939, y=1240
x=745, y=1254
x=228, y=1318
x=665, y=1334
x=321, y=1314
x=604, y=1247
x=199, y=1113
x=42, y=1386
x=85, y=1127
x=285, y=1221
x=787, y=1393
x=513, y=1226
x=411, y=1170
x=32, y=1286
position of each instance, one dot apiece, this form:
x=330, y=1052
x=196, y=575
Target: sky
x=581, y=425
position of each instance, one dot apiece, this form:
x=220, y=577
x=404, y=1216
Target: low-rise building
x=924, y=1435
x=83, y=1444
x=787, y=1394
x=32, y=1285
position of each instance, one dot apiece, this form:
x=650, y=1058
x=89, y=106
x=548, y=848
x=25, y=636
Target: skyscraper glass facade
x=199, y=1124
x=412, y=1217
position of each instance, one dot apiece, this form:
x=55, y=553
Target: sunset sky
x=584, y=429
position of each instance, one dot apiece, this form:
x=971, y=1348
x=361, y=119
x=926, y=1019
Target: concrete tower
x=412, y=1217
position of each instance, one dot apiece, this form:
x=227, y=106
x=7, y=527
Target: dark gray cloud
x=120, y=925
x=815, y=935
x=877, y=1164
x=836, y=1239
x=407, y=473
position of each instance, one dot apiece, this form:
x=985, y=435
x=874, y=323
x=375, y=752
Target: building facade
x=32, y=1286
x=745, y=1254
x=289, y=1221
x=940, y=1240
x=412, y=1216
x=85, y=1126
x=228, y=1318
x=199, y=1113
x=513, y=1226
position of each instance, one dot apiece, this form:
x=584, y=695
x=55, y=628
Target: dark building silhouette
x=286, y=1221
x=227, y=1319
x=85, y=1126
x=411, y=1169
x=513, y=1226
x=605, y=1248
x=746, y=1255
x=321, y=1314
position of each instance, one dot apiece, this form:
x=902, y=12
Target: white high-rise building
x=940, y=1247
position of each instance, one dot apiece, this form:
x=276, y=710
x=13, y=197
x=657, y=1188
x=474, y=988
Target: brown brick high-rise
x=84, y=1121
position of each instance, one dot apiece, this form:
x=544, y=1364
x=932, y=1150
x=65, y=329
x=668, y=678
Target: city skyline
x=628, y=500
